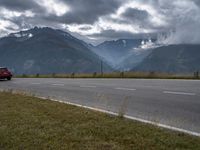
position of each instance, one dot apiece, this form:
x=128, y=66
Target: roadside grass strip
x=33, y=123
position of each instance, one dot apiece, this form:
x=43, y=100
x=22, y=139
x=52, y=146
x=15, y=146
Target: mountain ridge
x=120, y=53
x=47, y=51
x=184, y=58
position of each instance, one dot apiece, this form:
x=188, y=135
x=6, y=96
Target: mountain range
x=182, y=58
x=122, y=54
x=46, y=50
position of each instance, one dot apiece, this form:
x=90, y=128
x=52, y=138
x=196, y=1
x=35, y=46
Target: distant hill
x=122, y=54
x=173, y=58
x=45, y=50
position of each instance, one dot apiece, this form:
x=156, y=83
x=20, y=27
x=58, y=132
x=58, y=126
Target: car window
x=3, y=69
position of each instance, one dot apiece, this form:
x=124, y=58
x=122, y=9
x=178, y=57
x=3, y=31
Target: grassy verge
x=137, y=75
x=32, y=123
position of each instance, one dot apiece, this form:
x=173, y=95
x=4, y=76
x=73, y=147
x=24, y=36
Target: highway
x=174, y=103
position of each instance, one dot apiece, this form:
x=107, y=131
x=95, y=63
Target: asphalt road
x=174, y=103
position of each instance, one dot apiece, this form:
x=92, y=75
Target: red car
x=5, y=74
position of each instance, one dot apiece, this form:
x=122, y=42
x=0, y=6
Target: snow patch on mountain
x=22, y=35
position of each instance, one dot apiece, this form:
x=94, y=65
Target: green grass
x=32, y=123
x=137, y=75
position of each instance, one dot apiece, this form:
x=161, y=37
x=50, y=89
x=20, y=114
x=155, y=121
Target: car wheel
x=9, y=78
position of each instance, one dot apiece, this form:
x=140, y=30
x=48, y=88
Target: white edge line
x=128, y=117
x=179, y=93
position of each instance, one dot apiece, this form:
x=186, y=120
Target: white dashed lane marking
x=58, y=84
x=87, y=86
x=35, y=83
x=179, y=93
x=125, y=89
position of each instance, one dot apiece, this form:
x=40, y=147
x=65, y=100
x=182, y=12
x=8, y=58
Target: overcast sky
x=99, y=20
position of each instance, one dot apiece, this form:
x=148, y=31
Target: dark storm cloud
x=197, y=2
x=88, y=11
x=19, y=4
x=81, y=11
x=94, y=18
x=135, y=14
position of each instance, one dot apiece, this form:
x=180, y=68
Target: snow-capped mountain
x=45, y=50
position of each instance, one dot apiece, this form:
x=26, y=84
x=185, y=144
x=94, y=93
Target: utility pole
x=101, y=68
